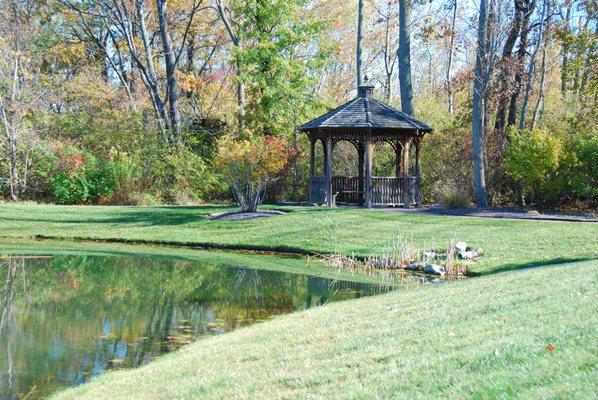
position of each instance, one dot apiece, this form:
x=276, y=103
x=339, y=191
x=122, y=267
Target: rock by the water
x=434, y=269
x=472, y=254
x=461, y=246
x=416, y=266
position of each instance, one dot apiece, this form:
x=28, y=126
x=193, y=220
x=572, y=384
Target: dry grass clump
x=452, y=198
x=451, y=262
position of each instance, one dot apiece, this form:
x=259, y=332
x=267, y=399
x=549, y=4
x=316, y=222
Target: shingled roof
x=366, y=112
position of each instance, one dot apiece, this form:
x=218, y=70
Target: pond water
x=67, y=318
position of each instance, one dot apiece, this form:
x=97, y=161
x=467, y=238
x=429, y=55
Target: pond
x=67, y=318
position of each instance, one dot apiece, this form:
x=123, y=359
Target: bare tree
x=519, y=64
x=532, y=67
x=506, y=66
x=359, y=41
x=449, y=88
x=128, y=21
x=404, y=56
x=388, y=47
x=225, y=16
x=18, y=92
x=481, y=79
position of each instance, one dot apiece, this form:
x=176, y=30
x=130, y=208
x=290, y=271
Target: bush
x=249, y=165
x=70, y=189
x=181, y=178
x=453, y=198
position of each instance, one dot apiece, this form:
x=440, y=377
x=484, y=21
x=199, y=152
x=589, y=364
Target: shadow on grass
x=148, y=216
x=533, y=264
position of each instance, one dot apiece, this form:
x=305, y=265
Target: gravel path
x=512, y=213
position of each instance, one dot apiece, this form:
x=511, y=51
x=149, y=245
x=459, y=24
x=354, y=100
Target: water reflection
x=67, y=318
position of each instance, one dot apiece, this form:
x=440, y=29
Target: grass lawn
x=482, y=338
x=509, y=244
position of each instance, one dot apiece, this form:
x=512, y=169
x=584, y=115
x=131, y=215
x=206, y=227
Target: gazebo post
x=312, y=169
x=368, y=170
x=398, y=150
x=329, y=170
x=418, y=141
x=406, y=144
x=312, y=157
x=360, y=156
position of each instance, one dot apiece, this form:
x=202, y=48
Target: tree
x=359, y=41
x=249, y=165
x=481, y=78
x=19, y=92
x=237, y=52
x=387, y=16
x=532, y=67
x=132, y=22
x=404, y=56
x=505, y=67
x=281, y=54
x=452, y=33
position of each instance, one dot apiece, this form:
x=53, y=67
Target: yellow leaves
x=188, y=82
x=259, y=158
x=67, y=54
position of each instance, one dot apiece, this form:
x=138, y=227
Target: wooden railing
x=349, y=189
x=386, y=191
x=393, y=191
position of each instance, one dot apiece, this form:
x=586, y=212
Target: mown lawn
x=481, y=338
x=509, y=244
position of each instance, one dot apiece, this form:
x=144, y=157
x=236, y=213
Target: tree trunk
x=532, y=69
x=521, y=53
x=172, y=91
x=565, y=62
x=506, y=67
x=479, y=84
x=404, y=57
x=238, y=63
x=540, y=103
x=359, y=40
x=449, y=88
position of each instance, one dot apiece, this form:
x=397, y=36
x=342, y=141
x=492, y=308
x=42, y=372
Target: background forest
x=152, y=101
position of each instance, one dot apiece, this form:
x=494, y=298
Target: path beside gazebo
x=496, y=212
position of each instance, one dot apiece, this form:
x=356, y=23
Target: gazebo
x=364, y=121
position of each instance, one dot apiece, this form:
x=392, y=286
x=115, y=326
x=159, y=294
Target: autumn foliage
x=249, y=165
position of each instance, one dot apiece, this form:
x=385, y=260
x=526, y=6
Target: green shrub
x=181, y=178
x=70, y=189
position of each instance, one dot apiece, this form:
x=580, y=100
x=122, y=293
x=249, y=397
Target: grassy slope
x=509, y=244
x=479, y=338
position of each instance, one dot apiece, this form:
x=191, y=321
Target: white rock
x=434, y=269
x=471, y=255
x=414, y=266
x=461, y=246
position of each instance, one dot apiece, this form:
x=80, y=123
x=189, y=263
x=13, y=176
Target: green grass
x=484, y=337
x=481, y=338
x=509, y=244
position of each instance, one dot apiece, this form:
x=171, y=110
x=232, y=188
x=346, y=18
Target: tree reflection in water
x=67, y=318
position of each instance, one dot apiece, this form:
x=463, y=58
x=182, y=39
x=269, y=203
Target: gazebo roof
x=366, y=112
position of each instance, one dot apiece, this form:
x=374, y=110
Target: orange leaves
x=550, y=347
x=260, y=158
